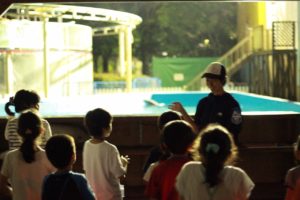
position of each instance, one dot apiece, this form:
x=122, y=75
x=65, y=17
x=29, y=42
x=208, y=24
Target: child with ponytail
x=292, y=179
x=213, y=178
x=26, y=166
x=23, y=101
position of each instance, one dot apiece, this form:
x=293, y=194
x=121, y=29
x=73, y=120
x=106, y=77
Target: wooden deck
x=266, y=157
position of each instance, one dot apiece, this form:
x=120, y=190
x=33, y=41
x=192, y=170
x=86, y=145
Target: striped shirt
x=15, y=141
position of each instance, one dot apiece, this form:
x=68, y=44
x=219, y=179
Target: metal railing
x=258, y=39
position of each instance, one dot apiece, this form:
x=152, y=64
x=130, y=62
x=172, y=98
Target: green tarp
x=177, y=72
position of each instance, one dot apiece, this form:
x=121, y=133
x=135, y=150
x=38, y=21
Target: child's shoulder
x=233, y=168
x=45, y=122
x=11, y=120
x=12, y=153
x=41, y=155
x=109, y=145
x=193, y=165
x=76, y=174
x=294, y=170
x=234, y=171
x=77, y=177
x=103, y=144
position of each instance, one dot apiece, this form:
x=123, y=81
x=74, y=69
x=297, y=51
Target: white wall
x=69, y=57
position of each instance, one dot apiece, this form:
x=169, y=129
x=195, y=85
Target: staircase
x=231, y=59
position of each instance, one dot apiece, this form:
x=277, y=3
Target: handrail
x=237, y=54
x=246, y=42
x=231, y=59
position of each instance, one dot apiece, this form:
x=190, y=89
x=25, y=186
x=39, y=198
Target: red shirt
x=162, y=181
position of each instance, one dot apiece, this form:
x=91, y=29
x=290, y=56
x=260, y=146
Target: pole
x=45, y=58
x=128, y=57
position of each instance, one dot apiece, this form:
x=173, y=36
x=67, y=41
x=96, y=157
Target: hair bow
x=212, y=147
x=11, y=100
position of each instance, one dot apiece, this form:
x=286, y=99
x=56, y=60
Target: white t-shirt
x=15, y=141
x=26, y=178
x=236, y=184
x=149, y=171
x=103, y=167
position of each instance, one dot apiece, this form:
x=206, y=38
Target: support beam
x=9, y=74
x=298, y=54
x=122, y=53
x=45, y=59
x=4, y=6
x=128, y=58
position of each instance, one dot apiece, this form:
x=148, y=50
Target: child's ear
x=105, y=130
x=35, y=106
x=42, y=130
x=163, y=146
x=73, y=160
x=190, y=148
x=297, y=155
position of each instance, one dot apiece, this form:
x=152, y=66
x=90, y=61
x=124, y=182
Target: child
x=23, y=101
x=102, y=162
x=293, y=175
x=27, y=166
x=64, y=183
x=177, y=137
x=213, y=178
x=158, y=153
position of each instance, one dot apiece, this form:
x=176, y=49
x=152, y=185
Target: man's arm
x=177, y=106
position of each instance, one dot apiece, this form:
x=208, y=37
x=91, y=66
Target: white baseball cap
x=215, y=70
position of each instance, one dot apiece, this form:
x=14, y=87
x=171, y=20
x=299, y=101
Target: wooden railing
x=258, y=39
x=272, y=73
x=231, y=59
x=234, y=57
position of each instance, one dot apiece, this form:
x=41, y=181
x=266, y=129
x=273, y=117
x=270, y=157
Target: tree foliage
x=188, y=24
x=182, y=29
x=106, y=47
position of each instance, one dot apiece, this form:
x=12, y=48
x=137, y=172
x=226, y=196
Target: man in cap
x=218, y=107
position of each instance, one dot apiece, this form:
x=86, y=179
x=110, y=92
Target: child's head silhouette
x=98, y=123
x=178, y=136
x=23, y=99
x=166, y=117
x=60, y=150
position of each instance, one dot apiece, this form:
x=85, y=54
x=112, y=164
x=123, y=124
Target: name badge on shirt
x=236, y=117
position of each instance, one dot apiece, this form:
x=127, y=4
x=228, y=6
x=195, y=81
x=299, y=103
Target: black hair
x=297, y=144
x=60, y=149
x=216, y=148
x=96, y=120
x=29, y=128
x=166, y=117
x=23, y=99
x=178, y=135
x=223, y=77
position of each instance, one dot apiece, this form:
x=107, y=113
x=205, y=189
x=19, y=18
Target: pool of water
x=250, y=103
x=154, y=104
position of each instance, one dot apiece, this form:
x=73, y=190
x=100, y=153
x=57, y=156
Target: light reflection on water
x=135, y=104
